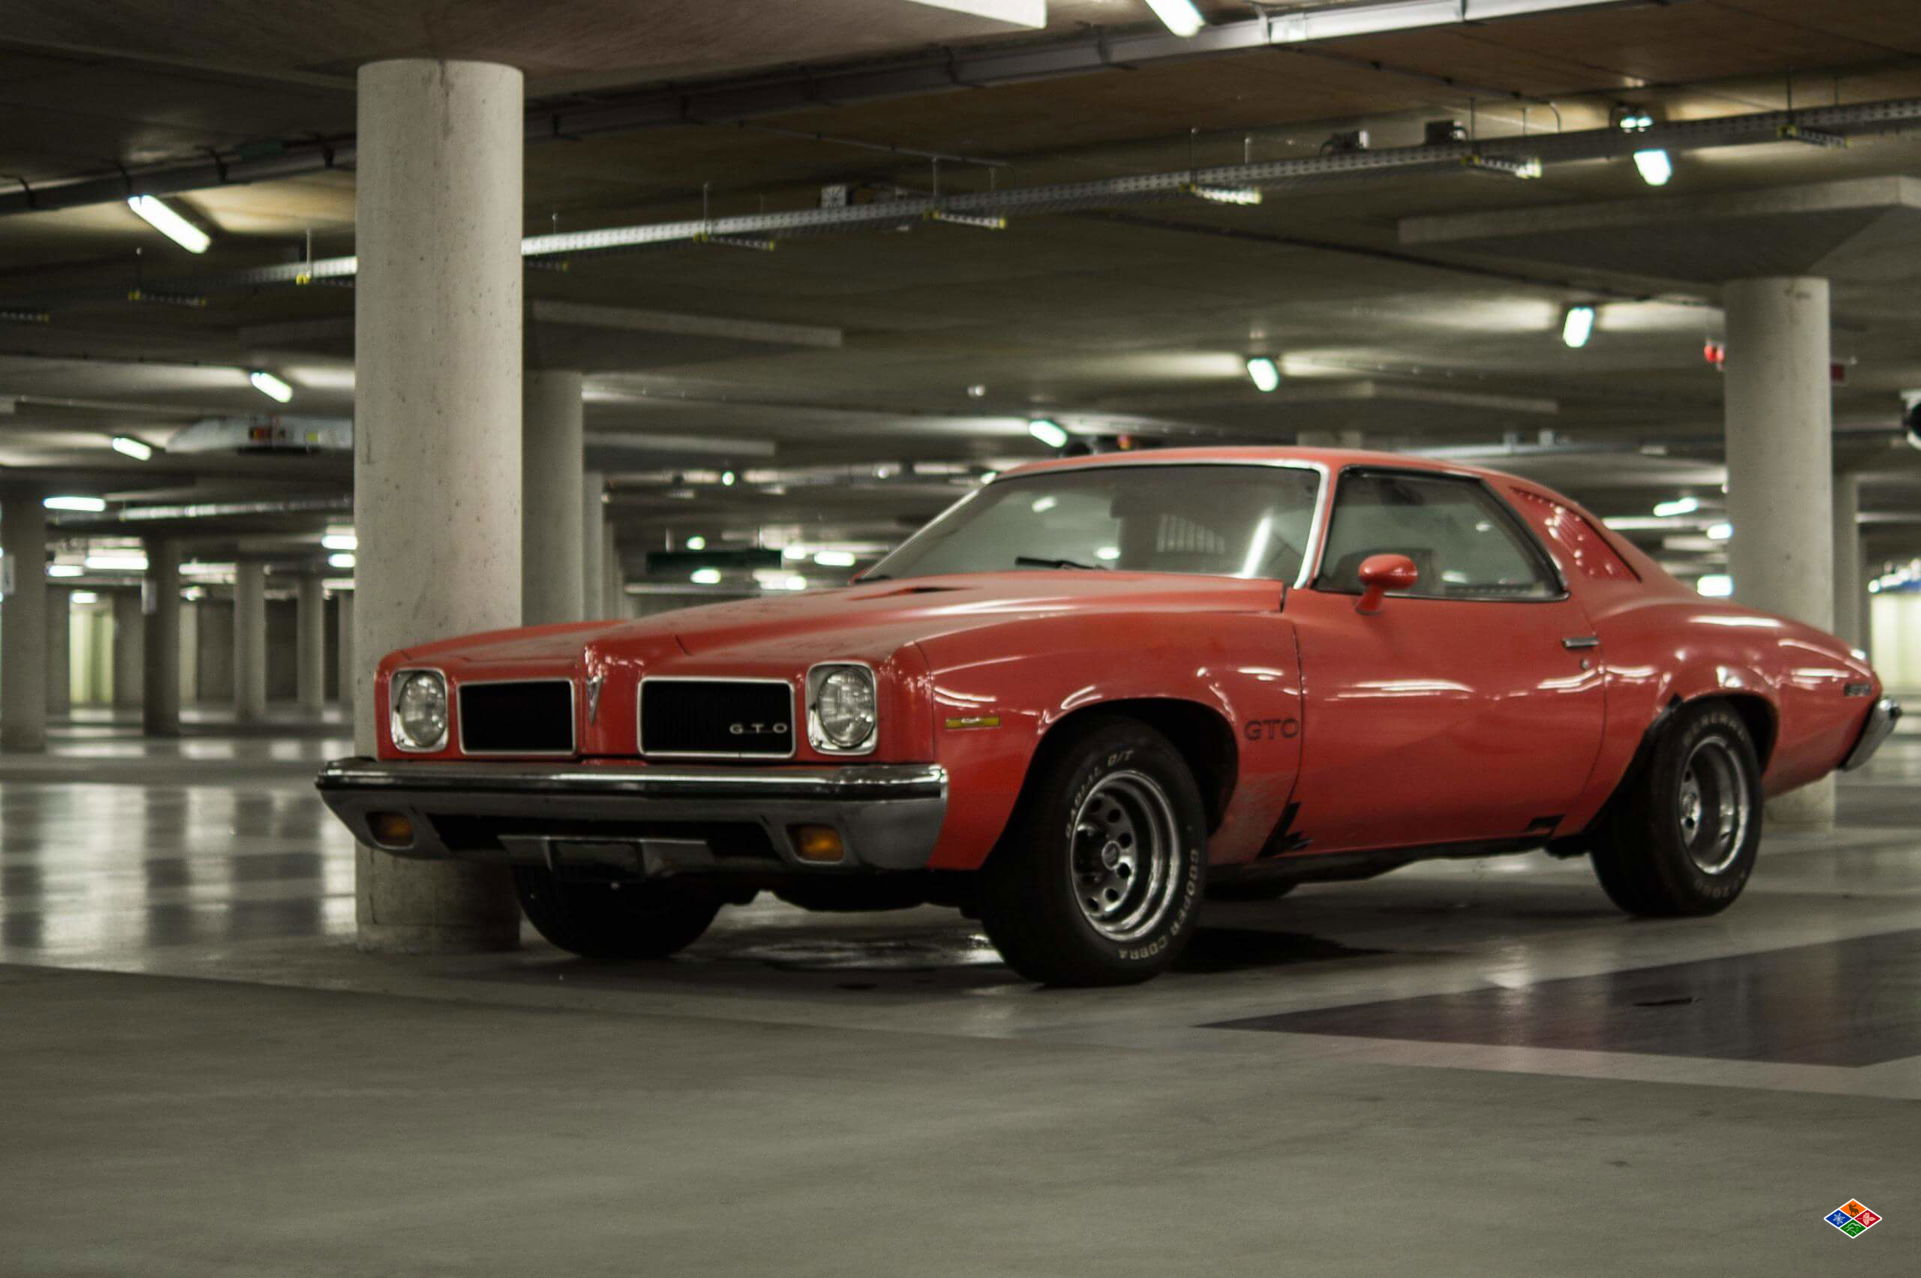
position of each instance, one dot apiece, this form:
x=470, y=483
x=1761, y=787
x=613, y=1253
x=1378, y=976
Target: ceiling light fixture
x=1577, y=326
x=1178, y=16
x=981, y=221
x=64, y=570
x=1720, y=532
x=269, y=385
x=697, y=542
x=1049, y=432
x=127, y=445
x=88, y=505
x=1679, y=506
x=1224, y=194
x=1716, y=585
x=1655, y=166
x=157, y=214
x=728, y=479
x=1504, y=165
x=706, y=576
x=835, y=559
x=345, y=559
x=340, y=541
x=122, y=561
x=1264, y=371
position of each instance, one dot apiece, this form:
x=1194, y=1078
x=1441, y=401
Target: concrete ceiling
x=1420, y=309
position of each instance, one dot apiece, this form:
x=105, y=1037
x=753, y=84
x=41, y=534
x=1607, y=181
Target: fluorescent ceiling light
x=706, y=576
x=91, y=505
x=1679, y=506
x=344, y=559
x=697, y=542
x=64, y=570
x=85, y=597
x=728, y=478
x=1577, y=326
x=122, y=560
x=160, y=217
x=269, y=385
x=1655, y=166
x=1179, y=16
x=1018, y=13
x=341, y=541
x=1265, y=372
x=1716, y=585
x=1720, y=532
x=1048, y=432
x=1224, y=194
x=834, y=559
x=127, y=445
x=794, y=550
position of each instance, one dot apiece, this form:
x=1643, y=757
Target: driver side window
x=1464, y=543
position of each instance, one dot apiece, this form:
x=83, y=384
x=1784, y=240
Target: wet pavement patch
x=1847, y=1003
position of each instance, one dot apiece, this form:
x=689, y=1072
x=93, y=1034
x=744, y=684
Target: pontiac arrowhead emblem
x=593, y=697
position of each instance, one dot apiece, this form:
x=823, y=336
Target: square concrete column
x=310, y=645
x=189, y=652
x=59, y=651
x=1850, y=588
x=23, y=620
x=129, y=651
x=160, y=613
x=344, y=646
x=612, y=590
x=437, y=429
x=552, y=498
x=593, y=535
x=1780, y=449
x=249, y=641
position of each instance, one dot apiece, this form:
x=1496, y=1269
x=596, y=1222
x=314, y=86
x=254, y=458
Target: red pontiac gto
x=1097, y=689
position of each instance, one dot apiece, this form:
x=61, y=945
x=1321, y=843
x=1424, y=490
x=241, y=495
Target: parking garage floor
x=1469, y=1068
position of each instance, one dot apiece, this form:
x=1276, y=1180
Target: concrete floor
x=1464, y=1068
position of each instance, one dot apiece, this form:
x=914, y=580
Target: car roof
x=1332, y=458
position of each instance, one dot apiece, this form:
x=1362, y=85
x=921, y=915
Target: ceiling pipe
x=738, y=98
x=1067, y=197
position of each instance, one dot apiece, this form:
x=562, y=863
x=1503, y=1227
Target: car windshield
x=1218, y=520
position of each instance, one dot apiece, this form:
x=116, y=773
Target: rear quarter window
x=1578, y=543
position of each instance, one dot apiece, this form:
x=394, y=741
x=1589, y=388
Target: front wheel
x=615, y=920
x=1100, y=873
x=1684, y=835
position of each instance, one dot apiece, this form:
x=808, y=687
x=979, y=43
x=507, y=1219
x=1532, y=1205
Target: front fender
x=996, y=694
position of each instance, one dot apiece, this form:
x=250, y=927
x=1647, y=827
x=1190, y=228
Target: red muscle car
x=1098, y=689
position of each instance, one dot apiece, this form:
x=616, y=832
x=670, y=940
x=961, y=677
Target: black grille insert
x=531, y=717
x=727, y=718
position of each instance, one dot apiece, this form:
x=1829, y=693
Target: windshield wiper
x=1030, y=561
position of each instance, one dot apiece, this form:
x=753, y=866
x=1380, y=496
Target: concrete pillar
x=344, y=646
x=59, y=651
x=189, y=653
x=249, y=641
x=437, y=428
x=613, y=598
x=1850, y=589
x=23, y=620
x=160, y=614
x=1780, y=449
x=129, y=651
x=593, y=535
x=310, y=645
x=552, y=499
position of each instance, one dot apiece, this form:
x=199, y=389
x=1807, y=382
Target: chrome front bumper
x=1881, y=720
x=645, y=820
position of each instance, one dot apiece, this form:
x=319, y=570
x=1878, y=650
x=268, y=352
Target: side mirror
x=1382, y=573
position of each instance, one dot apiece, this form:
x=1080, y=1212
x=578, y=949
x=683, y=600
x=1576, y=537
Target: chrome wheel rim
x=1712, y=808
x=1126, y=856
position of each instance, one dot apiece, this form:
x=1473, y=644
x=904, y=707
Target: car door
x=1466, y=708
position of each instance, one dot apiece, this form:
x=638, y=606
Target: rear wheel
x=1684, y=836
x=615, y=920
x=1099, y=875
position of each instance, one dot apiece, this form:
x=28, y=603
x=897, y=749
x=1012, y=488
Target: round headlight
x=844, y=707
x=420, y=710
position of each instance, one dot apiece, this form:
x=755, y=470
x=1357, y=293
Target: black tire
x=1100, y=873
x=615, y=921
x=1682, y=836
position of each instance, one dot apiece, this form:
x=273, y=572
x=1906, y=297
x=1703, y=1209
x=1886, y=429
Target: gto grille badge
x=593, y=697
x=757, y=729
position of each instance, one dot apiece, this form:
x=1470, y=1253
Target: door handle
x=1573, y=642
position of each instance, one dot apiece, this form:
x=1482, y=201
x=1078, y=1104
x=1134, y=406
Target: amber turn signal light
x=391, y=830
x=818, y=843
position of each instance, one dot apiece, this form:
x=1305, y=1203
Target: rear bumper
x=1881, y=720
x=645, y=820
